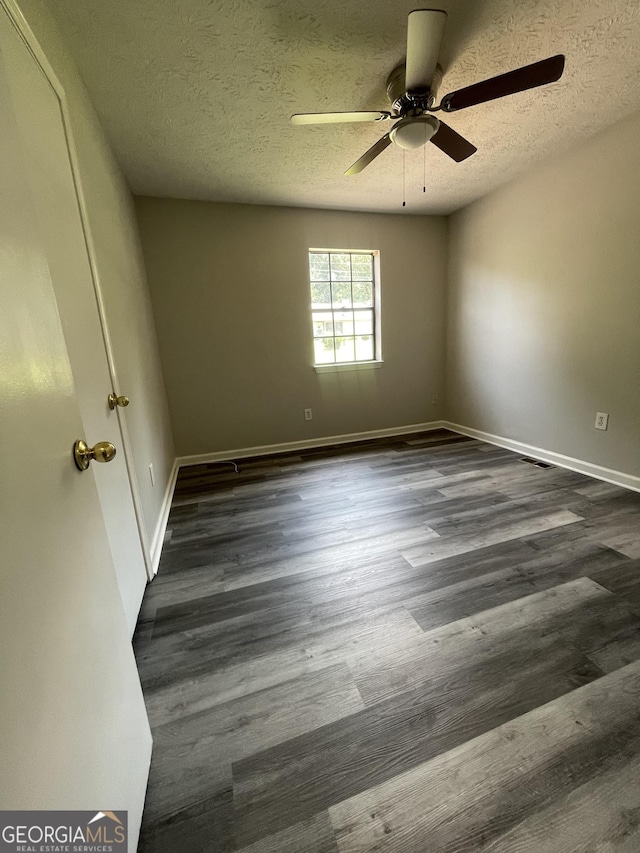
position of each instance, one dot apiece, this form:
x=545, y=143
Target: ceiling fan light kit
x=412, y=89
x=414, y=131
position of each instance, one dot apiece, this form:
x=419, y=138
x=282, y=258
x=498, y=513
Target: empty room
x=320, y=418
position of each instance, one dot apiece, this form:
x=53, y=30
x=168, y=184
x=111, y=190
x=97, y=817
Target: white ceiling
x=195, y=95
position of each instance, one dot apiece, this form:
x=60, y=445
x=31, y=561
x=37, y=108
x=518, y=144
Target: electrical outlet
x=434, y=399
x=308, y=415
x=152, y=476
x=602, y=420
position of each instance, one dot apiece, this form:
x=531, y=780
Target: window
x=344, y=306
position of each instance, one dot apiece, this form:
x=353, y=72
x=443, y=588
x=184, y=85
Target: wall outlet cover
x=602, y=420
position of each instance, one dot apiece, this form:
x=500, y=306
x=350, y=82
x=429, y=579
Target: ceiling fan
x=412, y=90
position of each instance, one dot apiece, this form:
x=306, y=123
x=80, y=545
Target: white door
x=73, y=727
x=40, y=124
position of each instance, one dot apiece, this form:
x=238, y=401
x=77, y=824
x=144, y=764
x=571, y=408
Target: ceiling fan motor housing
x=402, y=101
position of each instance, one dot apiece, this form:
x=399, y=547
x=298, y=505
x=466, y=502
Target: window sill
x=347, y=365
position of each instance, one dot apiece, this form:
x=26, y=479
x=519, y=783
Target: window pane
x=364, y=348
x=322, y=324
x=343, y=312
x=362, y=266
x=323, y=348
x=340, y=267
x=345, y=349
x=343, y=322
x=363, y=322
x=319, y=267
x=320, y=294
x=341, y=294
x=363, y=294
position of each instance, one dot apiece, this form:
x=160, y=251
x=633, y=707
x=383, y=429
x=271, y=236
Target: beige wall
x=121, y=272
x=544, y=305
x=229, y=285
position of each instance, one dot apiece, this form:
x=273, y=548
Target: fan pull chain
x=424, y=163
x=404, y=178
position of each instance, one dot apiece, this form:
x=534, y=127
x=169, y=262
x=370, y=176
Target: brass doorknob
x=103, y=451
x=115, y=400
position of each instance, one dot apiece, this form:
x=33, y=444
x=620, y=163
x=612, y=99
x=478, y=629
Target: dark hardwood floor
x=416, y=644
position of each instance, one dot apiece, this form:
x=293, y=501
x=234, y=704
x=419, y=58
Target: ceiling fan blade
x=425, y=31
x=528, y=77
x=335, y=118
x=454, y=145
x=370, y=155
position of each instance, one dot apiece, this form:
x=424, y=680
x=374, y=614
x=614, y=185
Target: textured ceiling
x=195, y=95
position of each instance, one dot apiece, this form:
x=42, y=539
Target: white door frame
x=27, y=35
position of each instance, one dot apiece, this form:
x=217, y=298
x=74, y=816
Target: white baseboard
x=158, y=536
x=618, y=478
x=268, y=449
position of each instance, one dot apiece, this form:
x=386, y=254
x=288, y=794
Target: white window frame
x=377, y=360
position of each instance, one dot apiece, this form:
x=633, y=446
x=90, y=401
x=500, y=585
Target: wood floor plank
x=431, y=440
x=170, y=588
x=324, y=559
x=626, y=542
x=602, y=814
x=466, y=798
x=205, y=827
x=580, y=614
x=368, y=581
x=617, y=652
x=439, y=548
x=193, y=755
x=503, y=476
x=310, y=836
x=287, y=784
x=386, y=579
x=485, y=591
x=436, y=480
x=208, y=668
x=488, y=517
x=624, y=580
x=455, y=683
